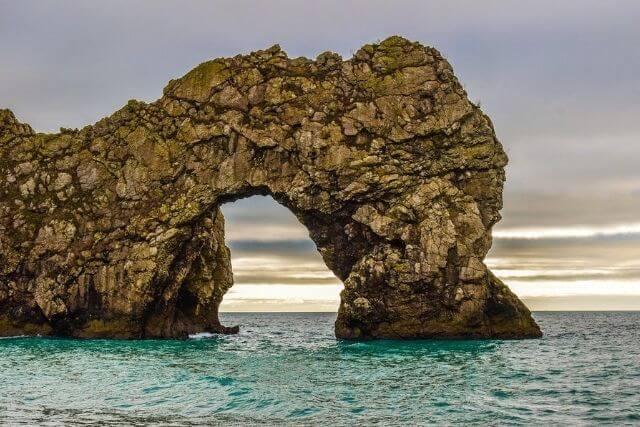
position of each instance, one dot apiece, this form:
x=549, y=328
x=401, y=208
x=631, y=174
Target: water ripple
x=289, y=369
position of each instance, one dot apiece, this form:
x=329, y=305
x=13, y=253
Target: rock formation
x=115, y=230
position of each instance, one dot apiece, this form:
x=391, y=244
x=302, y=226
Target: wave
x=201, y=335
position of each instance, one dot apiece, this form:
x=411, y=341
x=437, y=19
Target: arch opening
x=276, y=265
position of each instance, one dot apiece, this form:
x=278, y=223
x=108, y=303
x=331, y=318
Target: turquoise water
x=289, y=369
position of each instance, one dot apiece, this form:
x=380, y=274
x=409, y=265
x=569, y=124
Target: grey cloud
x=549, y=206
x=573, y=276
x=281, y=279
x=605, y=250
x=259, y=210
x=285, y=247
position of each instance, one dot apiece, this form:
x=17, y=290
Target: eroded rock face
x=115, y=230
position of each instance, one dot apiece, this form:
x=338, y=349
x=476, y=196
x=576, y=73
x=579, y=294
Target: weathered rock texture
x=115, y=230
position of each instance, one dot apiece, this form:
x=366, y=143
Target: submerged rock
x=115, y=230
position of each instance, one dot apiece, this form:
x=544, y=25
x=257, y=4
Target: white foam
x=14, y=336
x=201, y=335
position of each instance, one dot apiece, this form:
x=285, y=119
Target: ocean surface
x=287, y=368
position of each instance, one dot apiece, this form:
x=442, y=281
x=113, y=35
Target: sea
x=289, y=369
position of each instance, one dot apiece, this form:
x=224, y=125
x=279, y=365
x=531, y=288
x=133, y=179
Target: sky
x=559, y=80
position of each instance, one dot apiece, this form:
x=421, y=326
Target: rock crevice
x=114, y=230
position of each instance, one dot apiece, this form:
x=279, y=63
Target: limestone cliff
x=114, y=230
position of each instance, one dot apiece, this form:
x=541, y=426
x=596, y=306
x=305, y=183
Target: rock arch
x=114, y=230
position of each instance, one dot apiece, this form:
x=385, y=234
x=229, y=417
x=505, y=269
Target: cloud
x=265, y=268
x=580, y=232
x=289, y=247
x=584, y=303
x=280, y=297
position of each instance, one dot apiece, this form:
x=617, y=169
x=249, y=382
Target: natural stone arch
x=115, y=230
